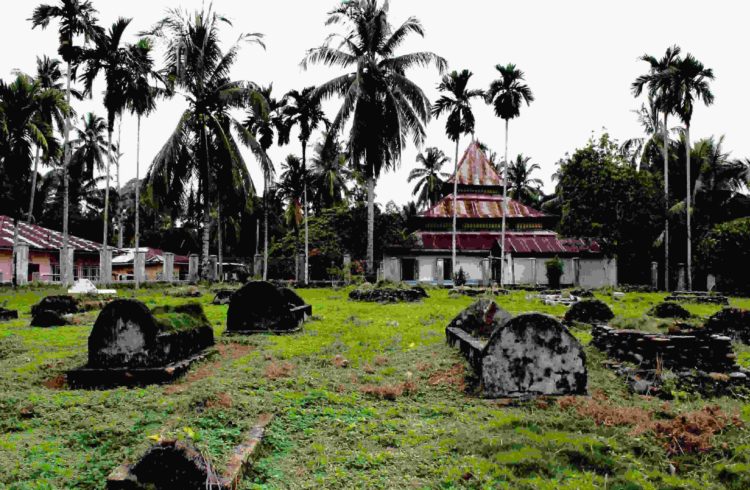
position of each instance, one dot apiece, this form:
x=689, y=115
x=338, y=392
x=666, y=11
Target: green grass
x=329, y=433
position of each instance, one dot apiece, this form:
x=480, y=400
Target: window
x=56, y=273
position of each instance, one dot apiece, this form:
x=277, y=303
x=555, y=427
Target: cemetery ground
x=366, y=396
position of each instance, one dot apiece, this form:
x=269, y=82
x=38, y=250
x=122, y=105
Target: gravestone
x=669, y=310
x=259, y=307
x=131, y=344
x=222, y=296
x=481, y=319
x=48, y=318
x=54, y=311
x=589, y=311
x=533, y=354
x=7, y=315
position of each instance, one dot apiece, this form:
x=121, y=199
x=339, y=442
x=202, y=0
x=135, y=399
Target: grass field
x=367, y=396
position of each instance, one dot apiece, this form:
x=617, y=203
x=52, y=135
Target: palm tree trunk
x=666, y=203
x=257, y=235
x=220, y=241
x=688, y=202
x=66, y=275
x=505, y=208
x=455, y=211
x=30, y=216
x=106, y=189
x=206, y=211
x=13, y=266
x=137, y=236
x=265, y=228
x=370, y=225
x=118, y=217
x=304, y=211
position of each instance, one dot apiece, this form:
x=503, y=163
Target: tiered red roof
x=40, y=238
x=480, y=206
x=475, y=168
x=542, y=242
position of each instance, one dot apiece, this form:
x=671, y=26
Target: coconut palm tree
x=90, y=147
x=329, y=174
x=507, y=94
x=48, y=76
x=665, y=101
x=382, y=103
x=304, y=111
x=430, y=179
x=688, y=79
x=636, y=150
x=109, y=56
x=140, y=97
x=291, y=187
x=76, y=18
x=522, y=186
x=457, y=105
x=196, y=64
x=264, y=121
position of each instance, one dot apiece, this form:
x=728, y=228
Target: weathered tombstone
x=105, y=266
x=258, y=265
x=592, y=311
x=168, y=267
x=655, y=275
x=223, y=296
x=533, y=354
x=53, y=311
x=193, y=268
x=22, y=264
x=710, y=282
x=131, y=344
x=481, y=319
x=668, y=309
x=7, y=315
x=139, y=266
x=261, y=307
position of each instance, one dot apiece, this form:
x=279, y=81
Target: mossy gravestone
x=533, y=354
x=260, y=306
x=53, y=311
x=668, y=309
x=591, y=311
x=481, y=319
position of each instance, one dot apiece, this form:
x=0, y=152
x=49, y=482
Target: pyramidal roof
x=475, y=168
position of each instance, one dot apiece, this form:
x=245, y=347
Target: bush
x=554, y=272
x=725, y=252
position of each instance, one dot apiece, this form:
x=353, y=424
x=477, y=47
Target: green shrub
x=725, y=252
x=554, y=272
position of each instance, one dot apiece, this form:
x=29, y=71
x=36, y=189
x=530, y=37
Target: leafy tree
x=664, y=99
x=457, y=105
x=507, y=94
x=607, y=200
x=429, y=178
x=382, y=103
x=291, y=187
x=523, y=187
x=725, y=252
x=75, y=18
x=196, y=63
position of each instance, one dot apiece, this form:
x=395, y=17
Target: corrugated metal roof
x=475, y=168
x=542, y=242
x=480, y=206
x=40, y=238
x=153, y=256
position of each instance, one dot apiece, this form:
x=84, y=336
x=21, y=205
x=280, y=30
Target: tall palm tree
x=90, y=147
x=382, y=103
x=111, y=56
x=140, y=97
x=665, y=101
x=523, y=187
x=196, y=64
x=329, y=174
x=291, y=188
x=76, y=18
x=636, y=150
x=265, y=120
x=688, y=79
x=304, y=111
x=457, y=104
x=507, y=94
x=48, y=76
x=429, y=177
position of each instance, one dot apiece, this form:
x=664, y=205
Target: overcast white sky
x=580, y=57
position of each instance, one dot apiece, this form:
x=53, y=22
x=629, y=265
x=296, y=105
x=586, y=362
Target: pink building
x=44, y=252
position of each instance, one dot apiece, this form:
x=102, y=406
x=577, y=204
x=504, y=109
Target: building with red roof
x=529, y=239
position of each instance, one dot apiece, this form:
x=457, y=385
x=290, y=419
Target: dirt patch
x=390, y=391
x=220, y=400
x=340, y=361
x=380, y=361
x=227, y=352
x=455, y=376
x=56, y=383
x=689, y=432
x=277, y=370
x=234, y=351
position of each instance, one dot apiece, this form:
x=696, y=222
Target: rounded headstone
x=481, y=319
x=123, y=335
x=669, y=309
x=589, y=311
x=533, y=354
x=292, y=297
x=257, y=306
x=174, y=465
